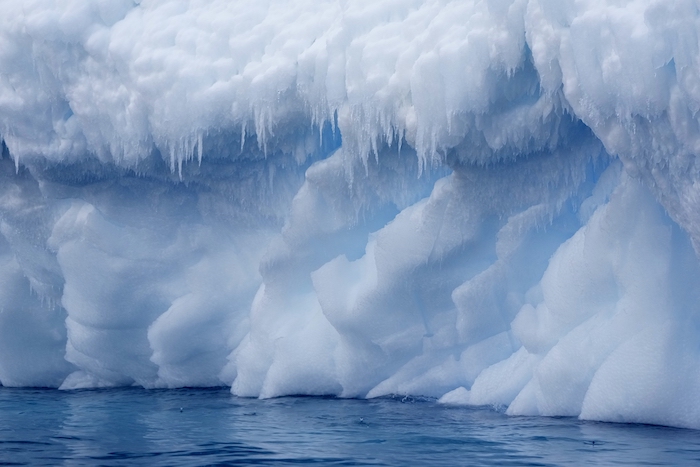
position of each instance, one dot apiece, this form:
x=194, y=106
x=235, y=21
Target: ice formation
x=492, y=202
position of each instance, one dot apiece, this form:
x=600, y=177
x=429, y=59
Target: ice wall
x=489, y=202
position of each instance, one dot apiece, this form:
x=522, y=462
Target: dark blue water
x=211, y=427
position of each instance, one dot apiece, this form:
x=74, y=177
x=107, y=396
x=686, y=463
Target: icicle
x=199, y=148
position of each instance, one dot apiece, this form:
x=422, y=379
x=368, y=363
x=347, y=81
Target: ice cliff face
x=490, y=202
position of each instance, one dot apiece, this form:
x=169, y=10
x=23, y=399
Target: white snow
x=490, y=202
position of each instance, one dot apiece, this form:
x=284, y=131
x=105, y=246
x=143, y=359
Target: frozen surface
x=489, y=202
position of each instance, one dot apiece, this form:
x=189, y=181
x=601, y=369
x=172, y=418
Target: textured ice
x=490, y=202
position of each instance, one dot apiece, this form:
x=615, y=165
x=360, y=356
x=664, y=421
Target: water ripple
x=210, y=427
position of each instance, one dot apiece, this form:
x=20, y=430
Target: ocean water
x=212, y=427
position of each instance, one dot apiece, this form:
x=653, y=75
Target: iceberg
x=488, y=202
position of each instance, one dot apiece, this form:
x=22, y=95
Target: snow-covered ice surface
x=490, y=202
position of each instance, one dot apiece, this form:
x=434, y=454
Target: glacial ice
x=490, y=202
